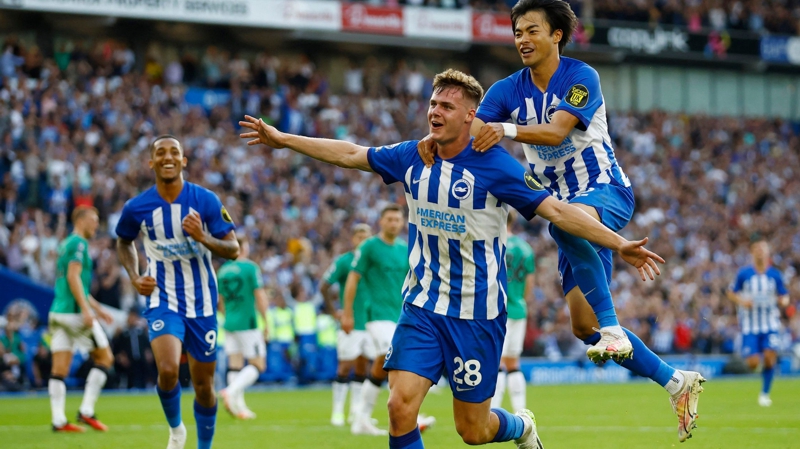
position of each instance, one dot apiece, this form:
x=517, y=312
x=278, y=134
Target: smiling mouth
x=168, y=166
x=526, y=51
x=435, y=124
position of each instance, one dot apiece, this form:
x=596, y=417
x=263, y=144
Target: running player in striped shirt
x=521, y=265
x=182, y=224
x=454, y=314
x=759, y=291
x=556, y=110
x=241, y=297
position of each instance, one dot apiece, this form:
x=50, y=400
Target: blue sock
x=646, y=363
x=767, y=374
x=171, y=403
x=511, y=426
x=411, y=440
x=589, y=273
x=206, y=419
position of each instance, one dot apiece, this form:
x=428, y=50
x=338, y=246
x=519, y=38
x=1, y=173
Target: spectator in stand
x=133, y=359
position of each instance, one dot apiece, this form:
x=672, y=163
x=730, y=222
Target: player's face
x=760, y=251
x=359, y=237
x=167, y=160
x=534, y=40
x=449, y=115
x=90, y=224
x=392, y=223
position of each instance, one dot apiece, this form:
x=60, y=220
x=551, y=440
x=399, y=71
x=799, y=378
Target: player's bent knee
x=471, y=434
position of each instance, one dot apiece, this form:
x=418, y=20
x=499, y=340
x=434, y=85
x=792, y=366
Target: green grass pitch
x=636, y=415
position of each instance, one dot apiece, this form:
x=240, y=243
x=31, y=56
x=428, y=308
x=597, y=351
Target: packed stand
x=75, y=127
x=757, y=16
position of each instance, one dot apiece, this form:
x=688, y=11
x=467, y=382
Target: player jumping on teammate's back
x=353, y=349
x=183, y=224
x=453, y=316
x=759, y=292
x=521, y=265
x=73, y=325
x=556, y=110
x=241, y=295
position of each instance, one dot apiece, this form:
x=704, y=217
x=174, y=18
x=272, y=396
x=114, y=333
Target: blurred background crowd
x=75, y=126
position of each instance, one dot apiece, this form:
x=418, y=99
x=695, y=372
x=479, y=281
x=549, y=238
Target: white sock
x=499, y=390
x=246, y=377
x=180, y=430
x=675, y=384
x=94, y=385
x=369, y=395
x=355, y=398
x=239, y=401
x=516, y=390
x=231, y=376
x=58, y=400
x=616, y=330
x=339, y=397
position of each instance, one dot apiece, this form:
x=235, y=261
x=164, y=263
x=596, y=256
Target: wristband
x=509, y=130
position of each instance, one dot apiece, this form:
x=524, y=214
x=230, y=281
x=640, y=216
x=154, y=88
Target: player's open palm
x=145, y=285
x=427, y=150
x=642, y=258
x=261, y=133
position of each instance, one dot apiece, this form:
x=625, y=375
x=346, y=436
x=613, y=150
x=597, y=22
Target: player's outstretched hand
x=642, y=258
x=262, y=133
x=145, y=285
x=490, y=134
x=427, y=150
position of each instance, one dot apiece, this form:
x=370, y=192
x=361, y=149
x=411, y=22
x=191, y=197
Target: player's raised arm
x=577, y=222
x=337, y=152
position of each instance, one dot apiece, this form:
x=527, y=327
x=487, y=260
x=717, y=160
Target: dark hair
x=162, y=137
x=391, y=208
x=469, y=86
x=558, y=14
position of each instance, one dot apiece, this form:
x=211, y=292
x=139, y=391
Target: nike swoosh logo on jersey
x=463, y=389
x=210, y=352
x=417, y=181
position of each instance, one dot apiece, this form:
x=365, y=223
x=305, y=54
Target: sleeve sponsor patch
x=577, y=96
x=225, y=215
x=532, y=183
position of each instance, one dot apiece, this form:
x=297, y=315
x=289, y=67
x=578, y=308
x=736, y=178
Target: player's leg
x=201, y=347
x=166, y=333
x=346, y=353
x=472, y=367
x=415, y=362
x=405, y=399
x=235, y=365
x=769, y=344
x=684, y=387
x=360, y=371
x=61, y=348
x=103, y=359
x=509, y=374
x=381, y=333
x=256, y=354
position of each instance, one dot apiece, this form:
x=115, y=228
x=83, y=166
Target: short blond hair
x=470, y=87
x=81, y=211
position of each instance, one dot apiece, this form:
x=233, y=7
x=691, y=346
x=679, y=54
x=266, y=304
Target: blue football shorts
x=614, y=204
x=468, y=351
x=199, y=335
x=755, y=344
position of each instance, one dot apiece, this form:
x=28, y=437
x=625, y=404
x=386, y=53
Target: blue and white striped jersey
x=585, y=158
x=457, y=225
x=185, y=279
x=763, y=289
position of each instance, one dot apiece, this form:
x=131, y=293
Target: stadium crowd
x=75, y=127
